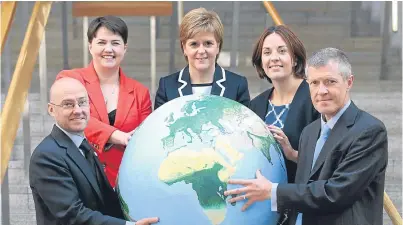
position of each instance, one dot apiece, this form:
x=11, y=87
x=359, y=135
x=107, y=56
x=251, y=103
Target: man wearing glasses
x=67, y=181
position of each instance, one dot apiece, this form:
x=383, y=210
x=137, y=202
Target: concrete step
x=304, y=6
x=245, y=30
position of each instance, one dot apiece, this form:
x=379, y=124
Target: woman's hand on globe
x=282, y=139
x=120, y=138
x=147, y=221
x=254, y=190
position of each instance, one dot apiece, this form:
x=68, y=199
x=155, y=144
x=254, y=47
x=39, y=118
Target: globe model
x=178, y=161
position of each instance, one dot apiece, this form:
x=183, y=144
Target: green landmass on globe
x=198, y=113
x=206, y=170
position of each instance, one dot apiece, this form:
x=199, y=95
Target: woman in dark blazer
x=201, y=37
x=280, y=57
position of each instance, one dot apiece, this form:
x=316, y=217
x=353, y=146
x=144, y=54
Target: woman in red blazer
x=118, y=104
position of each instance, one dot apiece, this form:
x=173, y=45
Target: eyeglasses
x=72, y=105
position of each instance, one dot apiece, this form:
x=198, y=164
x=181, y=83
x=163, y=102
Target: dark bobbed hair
x=112, y=23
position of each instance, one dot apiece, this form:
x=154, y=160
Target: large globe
x=178, y=161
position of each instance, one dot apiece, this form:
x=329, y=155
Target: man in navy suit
x=342, y=157
x=68, y=183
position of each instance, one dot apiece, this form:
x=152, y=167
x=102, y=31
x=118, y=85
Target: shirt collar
x=335, y=118
x=76, y=138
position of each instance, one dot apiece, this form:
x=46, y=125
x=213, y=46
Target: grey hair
x=322, y=58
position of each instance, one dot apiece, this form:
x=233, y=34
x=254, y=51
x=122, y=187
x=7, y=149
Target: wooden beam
x=7, y=16
x=122, y=8
x=391, y=210
x=21, y=81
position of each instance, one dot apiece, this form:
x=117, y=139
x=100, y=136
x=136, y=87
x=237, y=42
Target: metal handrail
x=21, y=80
x=391, y=210
x=388, y=205
x=273, y=13
x=7, y=16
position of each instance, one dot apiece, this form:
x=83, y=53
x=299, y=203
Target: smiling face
x=329, y=90
x=65, y=92
x=276, y=58
x=107, y=49
x=201, y=51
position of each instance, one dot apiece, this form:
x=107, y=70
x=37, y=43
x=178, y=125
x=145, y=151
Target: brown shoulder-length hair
x=294, y=44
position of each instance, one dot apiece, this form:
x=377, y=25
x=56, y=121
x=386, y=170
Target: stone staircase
x=318, y=24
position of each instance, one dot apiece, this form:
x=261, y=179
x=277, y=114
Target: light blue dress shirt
x=75, y=137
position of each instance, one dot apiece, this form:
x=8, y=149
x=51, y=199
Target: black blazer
x=225, y=84
x=64, y=188
x=347, y=182
x=300, y=114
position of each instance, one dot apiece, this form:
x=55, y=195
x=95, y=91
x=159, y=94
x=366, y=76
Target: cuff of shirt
x=274, y=197
x=130, y=223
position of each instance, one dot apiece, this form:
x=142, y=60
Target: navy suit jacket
x=300, y=114
x=64, y=188
x=346, y=184
x=225, y=84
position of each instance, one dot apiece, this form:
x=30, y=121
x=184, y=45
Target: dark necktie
x=89, y=155
x=91, y=159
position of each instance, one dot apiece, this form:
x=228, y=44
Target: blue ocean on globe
x=178, y=161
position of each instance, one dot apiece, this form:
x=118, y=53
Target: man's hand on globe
x=147, y=221
x=254, y=190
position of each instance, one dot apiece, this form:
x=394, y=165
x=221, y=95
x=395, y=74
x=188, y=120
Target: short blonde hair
x=200, y=20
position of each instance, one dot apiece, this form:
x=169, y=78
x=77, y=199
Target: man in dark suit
x=342, y=159
x=67, y=181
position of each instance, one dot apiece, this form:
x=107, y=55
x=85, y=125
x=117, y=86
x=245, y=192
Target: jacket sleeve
x=364, y=161
x=52, y=181
x=145, y=105
x=243, y=96
x=161, y=95
x=97, y=132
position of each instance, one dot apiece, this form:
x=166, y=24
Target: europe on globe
x=178, y=161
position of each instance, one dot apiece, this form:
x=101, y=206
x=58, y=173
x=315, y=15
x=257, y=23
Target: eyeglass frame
x=76, y=103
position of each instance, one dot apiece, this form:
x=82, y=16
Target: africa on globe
x=178, y=161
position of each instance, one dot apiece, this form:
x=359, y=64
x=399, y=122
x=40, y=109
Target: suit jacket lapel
x=125, y=100
x=184, y=84
x=219, y=78
x=95, y=93
x=340, y=129
x=74, y=153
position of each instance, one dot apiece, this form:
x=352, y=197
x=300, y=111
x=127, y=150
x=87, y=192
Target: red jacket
x=134, y=105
